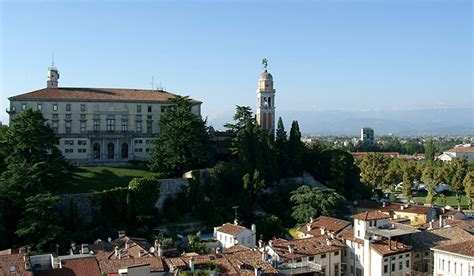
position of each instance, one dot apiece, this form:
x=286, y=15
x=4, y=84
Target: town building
x=266, y=100
x=418, y=214
x=319, y=255
x=422, y=242
x=465, y=151
x=322, y=225
x=99, y=124
x=367, y=136
x=454, y=258
x=374, y=246
x=229, y=235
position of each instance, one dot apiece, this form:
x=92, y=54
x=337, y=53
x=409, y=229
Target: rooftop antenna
x=235, y=214
x=152, y=82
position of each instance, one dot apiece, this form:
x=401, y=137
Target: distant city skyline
x=323, y=55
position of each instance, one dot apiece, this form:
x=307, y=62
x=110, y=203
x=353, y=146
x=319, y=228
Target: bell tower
x=53, y=76
x=266, y=100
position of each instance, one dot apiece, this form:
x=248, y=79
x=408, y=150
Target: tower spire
x=52, y=59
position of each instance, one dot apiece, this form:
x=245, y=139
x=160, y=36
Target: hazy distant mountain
x=448, y=121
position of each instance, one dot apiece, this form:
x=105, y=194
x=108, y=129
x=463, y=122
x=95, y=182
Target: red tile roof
x=414, y=209
x=231, y=229
x=15, y=261
x=328, y=223
x=95, y=94
x=465, y=247
x=305, y=247
x=74, y=267
x=349, y=235
x=384, y=249
x=374, y=215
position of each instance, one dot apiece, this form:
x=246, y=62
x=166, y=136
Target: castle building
x=99, y=124
x=266, y=100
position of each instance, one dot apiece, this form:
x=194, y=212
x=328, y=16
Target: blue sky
x=324, y=55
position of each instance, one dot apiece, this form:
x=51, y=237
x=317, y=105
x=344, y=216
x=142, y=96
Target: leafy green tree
x=40, y=224
x=394, y=172
x=243, y=114
x=410, y=175
x=312, y=202
x=430, y=151
x=458, y=169
x=431, y=177
x=183, y=143
x=469, y=187
x=373, y=168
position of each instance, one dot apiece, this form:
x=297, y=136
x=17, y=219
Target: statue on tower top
x=265, y=63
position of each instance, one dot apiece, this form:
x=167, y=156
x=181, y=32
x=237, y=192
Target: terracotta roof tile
x=305, y=247
x=95, y=94
x=349, y=235
x=74, y=267
x=465, y=247
x=384, y=249
x=414, y=209
x=424, y=240
x=7, y=262
x=461, y=149
x=374, y=215
x=231, y=229
x=328, y=223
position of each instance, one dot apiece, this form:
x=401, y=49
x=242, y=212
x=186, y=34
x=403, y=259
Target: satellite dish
x=152, y=250
x=109, y=239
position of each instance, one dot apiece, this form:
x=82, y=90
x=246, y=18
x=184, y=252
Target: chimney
x=311, y=219
x=126, y=245
x=431, y=225
x=191, y=263
x=218, y=250
x=22, y=250
x=332, y=235
x=323, y=231
x=120, y=255
x=308, y=227
x=116, y=250
x=384, y=204
x=121, y=234
x=254, y=228
x=402, y=207
x=260, y=243
x=328, y=242
x=290, y=249
x=236, y=222
x=264, y=255
x=28, y=249
x=258, y=271
x=85, y=248
x=441, y=221
x=270, y=242
x=406, y=205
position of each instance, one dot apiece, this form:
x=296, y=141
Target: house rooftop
x=388, y=247
x=305, y=247
x=373, y=215
x=462, y=247
x=406, y=208
x=425, y=240
x=327, y=223
x=462, y=150
x=231, y=229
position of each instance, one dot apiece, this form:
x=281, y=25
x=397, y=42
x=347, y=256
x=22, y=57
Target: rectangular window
x=323, y=256
x=147, y=150
x=352, y=269
x=82, y=142
x=83, y=127
x=110, y=124
x=139, y=117
x=68, y=126
x=55, y=126
x=68, y=116
x=83, y=108
x=55, y=107
x=163, y=109
x=149, y=127
x=83, y=116
x=69, y=142
x=139, y=108
x=336, y=270
x=23, y=106
x=139, y=126
x=39, y=107
x=149, y=117
x=400, y=265
x=81, y=150
x=336, y=253
x=393, y=267
x=149, y=108
x=96, y=125
x=311, y=258
x=407, y=263
x=69, y=151
x=68, y=107
x=138, y=150
x=124, y=125
x=385, y=268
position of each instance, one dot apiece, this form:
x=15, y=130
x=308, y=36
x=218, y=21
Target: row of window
x=138, y=141
x=78, y=150
x=79, y=142
x=110, y=126
x=441, y=266
x=39, y=107
x=394, y=266
x=141, y=150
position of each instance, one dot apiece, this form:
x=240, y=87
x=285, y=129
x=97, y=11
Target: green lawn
x=450, y=200
x=91, y=179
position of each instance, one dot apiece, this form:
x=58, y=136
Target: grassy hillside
x=90, y=179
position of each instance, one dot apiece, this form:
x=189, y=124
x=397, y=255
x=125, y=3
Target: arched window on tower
x=269, y=102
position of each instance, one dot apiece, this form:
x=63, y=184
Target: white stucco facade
x=450, y=264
